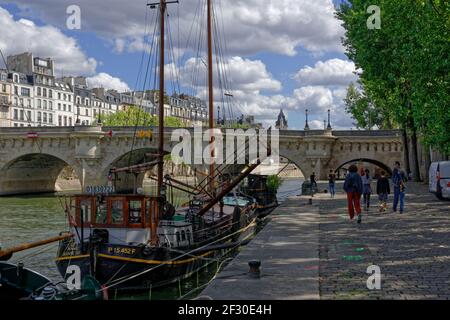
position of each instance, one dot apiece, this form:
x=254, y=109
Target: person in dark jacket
x=353, y=187
x=313, y=181
x=332, y=183
x=383, y=190
x=399, y=180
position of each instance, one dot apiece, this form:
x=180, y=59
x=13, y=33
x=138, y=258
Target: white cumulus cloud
x=104, y=80
x=18, y=36
x=327, y=73
x=250, y=26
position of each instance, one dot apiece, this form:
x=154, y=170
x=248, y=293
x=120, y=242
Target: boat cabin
x=127, y=219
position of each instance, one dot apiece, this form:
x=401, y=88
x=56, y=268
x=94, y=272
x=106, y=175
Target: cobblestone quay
x=412, y=249
x=316, y=252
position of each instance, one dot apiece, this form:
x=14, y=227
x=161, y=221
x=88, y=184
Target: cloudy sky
x=277, y=53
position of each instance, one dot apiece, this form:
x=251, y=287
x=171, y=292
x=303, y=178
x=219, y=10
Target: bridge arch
x=376, y=163
x=300, y=167
x=35, y=173
x=126, y=182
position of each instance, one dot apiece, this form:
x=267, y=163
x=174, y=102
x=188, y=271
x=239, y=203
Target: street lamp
x=306, y=122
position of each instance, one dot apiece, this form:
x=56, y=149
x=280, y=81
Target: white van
x=439, y=177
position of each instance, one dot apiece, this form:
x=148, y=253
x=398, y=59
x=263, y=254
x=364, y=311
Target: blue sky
x=281, y=53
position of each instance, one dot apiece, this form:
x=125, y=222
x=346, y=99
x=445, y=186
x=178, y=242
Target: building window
x=50, y=105
x=21, y=115
x=38, y=91
x=21, y=102
x=87, y=112
x=29, y=116
x=4, y=87
x=39, y=103
x=16, y=114
x=16, y=78
x=59, y=106
x=50, y=93
x=44, y=92
x=59, y=95
x=64, y=107
x=45, y=117
x=69, y=108
x=16, y=90
x=25, y=92
x=70, y=121
x=45, y=104
x=65, y=97
x=39, y=116
x=60, y=121
x=65, y=121
x=29, y=103
x=50, y=118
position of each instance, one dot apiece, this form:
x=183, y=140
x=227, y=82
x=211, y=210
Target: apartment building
x=82, y=99
x=105, y=102
x=64, y=103
x=22, y=113
x=5, y=99
x=31, y=95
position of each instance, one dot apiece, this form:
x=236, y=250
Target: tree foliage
x=135, y=116
x=273, y=183
x=366, y=114
x=405, y=66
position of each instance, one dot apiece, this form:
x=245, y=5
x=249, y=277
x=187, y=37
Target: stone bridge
x=31, y=159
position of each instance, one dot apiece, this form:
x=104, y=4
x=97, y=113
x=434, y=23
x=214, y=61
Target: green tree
x=366, y=114
x=135, y=116
x=405, y=66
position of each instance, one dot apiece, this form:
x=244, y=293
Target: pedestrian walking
x=354, y=188
x=367, y=189
x=383, y=191
x=332, y=183
x=312, y=179
x=399, y=180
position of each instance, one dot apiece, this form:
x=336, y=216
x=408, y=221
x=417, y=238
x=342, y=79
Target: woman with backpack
x=353, y=187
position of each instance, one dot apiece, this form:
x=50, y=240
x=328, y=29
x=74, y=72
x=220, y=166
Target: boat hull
x=18, y=283
x=112, y=264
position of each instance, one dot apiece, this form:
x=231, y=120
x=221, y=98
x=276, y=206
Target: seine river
x=25, y=219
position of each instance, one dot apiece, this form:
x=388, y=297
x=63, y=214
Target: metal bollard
x=254, y=271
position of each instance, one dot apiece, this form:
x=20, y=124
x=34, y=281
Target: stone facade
x=38, y=98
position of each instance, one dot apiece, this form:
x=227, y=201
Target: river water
x=25, y=219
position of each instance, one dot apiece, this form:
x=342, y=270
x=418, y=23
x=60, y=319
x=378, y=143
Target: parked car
x=439, y=177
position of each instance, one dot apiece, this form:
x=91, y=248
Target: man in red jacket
x=354, y=188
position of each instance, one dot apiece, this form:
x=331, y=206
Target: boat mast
x=211, y=96
x=162, y=7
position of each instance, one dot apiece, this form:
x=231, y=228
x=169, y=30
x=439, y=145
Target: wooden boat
x=114, y=240
x=138, y=242
x=20, y=283
x=266, y=200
